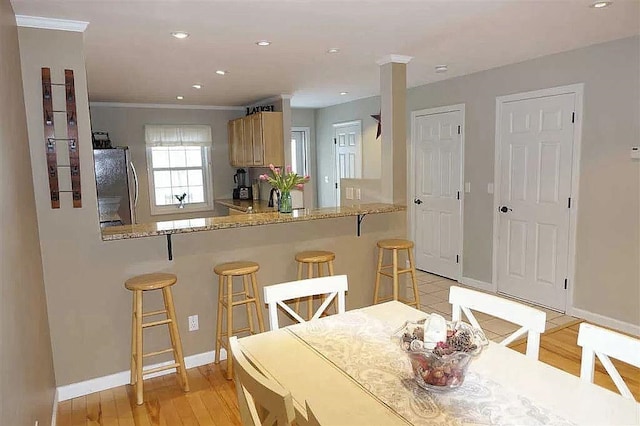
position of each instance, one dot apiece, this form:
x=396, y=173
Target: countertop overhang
x=238, y=221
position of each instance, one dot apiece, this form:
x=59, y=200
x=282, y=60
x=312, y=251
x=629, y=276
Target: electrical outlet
x=467, y=187
x=349, y=195
x=36, y=423
x=490, y=188
x=358, y=194
x=193, y=323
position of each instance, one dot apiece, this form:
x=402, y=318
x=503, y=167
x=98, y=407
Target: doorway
x=438, y=159
x=347, y=140
x=535, y=205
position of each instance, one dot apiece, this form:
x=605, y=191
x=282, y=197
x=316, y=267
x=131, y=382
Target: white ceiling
x=131, y=56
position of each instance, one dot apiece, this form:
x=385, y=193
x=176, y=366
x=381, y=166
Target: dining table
x=351, y=370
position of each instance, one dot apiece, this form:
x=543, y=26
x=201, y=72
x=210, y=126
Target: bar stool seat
x=149, y=282
x=310, y=258
x=395, y=245
x=226, y=271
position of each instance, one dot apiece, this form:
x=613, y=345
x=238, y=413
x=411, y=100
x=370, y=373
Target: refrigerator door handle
x=135, y=182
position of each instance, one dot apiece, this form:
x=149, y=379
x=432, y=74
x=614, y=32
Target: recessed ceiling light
x=263, y=43
x=180, y=34
x=343, y=93
x=600, y=4
x=441, y=68
x=333, y=50
x=197, y=86
x=222, y=72
x=179, y=98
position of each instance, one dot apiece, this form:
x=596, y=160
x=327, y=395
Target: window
x=179, y=168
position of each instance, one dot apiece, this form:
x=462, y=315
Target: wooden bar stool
x=310, y=258
x=140, y=284
x=395, y=245
x=226, y=272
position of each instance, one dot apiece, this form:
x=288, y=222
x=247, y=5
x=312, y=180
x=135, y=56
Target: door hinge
x=569, y=203
x=458, y=195
x=565, y=283
x=335, y=141
x=573, y=117
x=459, y=129
x=457, y=258
x=336, y=185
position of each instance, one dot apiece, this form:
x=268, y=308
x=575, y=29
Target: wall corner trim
x=399, y=59
x=51, y=23
x=605, y=321
x=98, y=384
x=54, y=413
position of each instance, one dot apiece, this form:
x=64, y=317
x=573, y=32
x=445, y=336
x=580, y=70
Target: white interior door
x=438, y=189
x=348, y=145
x=535, y=146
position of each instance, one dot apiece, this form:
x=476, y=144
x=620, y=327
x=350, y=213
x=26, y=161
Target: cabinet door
x=236, y=148
x=258, y=140
x=247, y=141
x=273, y=138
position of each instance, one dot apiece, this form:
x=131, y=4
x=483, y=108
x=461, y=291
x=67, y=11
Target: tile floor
x=434, y=297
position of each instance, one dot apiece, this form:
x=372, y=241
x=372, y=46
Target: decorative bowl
x=443, y=367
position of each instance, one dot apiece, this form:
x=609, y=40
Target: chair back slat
x=603, y=343
x=531, y=320
x=331, y=286
x=258, y=395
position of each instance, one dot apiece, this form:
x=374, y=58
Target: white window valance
x=172, y=135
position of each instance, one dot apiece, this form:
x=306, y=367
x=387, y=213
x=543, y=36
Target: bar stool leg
x=334, y=302
x=377, y=286
x=254, y=284
x=416, y=294
x=395, y=274
x=310, y=298
x=229, y=297
x=133, y=340
x=245, y=285
x=219, y=322
x=297, y=305
x=178, y=356
x=139, y=384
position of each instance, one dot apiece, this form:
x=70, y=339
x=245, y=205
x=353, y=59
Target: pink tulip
x=288, y=169
x=272, y=167
x=263, y=177
x=277, y=170
x=300, y=186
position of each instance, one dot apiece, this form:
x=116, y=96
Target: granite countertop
x=261, y=206
x=237, y=221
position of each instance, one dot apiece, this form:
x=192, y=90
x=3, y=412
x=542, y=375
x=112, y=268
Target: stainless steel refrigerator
x=117, y=185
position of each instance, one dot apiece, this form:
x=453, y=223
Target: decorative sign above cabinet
x=261, y=108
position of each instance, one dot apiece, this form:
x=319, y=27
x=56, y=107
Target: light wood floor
x=212, y=400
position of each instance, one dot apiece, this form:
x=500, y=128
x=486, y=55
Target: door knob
x=505, y=209
x=417, y=201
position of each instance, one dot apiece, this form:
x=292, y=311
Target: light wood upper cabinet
x=256, y=140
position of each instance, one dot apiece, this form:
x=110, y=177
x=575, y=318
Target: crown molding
x=166, y=106
x=51, y=23
x=398, y=59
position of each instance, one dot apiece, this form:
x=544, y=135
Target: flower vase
x=284, y=202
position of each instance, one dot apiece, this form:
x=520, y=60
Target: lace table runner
x=360, y=345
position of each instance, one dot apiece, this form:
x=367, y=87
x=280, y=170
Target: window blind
x=171, y=135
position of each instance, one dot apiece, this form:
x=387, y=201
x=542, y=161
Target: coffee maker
x=241, y=191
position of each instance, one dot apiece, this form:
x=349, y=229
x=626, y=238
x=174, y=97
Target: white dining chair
x=261, y=401
x=597, y=341
x=530, y=320
x=276, y=295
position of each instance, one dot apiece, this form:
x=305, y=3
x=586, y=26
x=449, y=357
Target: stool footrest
x=390, y=275
x=240, y=330
x=155, y=323
x=164, y=351
x=157, y=369
x=148, y=314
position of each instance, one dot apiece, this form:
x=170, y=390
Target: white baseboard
x=54, y=413
x=480, y=285
x=598, y=319
x=122, y=378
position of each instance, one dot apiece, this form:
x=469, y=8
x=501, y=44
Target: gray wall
x=126, y=127
x=371, y=148
x=27, y=383
x=305, y=117
x=608, y=236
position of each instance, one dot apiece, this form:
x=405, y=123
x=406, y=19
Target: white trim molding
x=54, y=412
x=165, y=106
x=605, y=321
x=51, y=23
x=398, y=59
x=480, y=285
x=98, y=384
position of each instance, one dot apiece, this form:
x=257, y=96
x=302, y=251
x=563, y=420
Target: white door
x=535, y=146
x=348, y=141
x=438, y=191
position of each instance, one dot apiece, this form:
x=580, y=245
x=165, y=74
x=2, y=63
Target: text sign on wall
x=260, y=108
